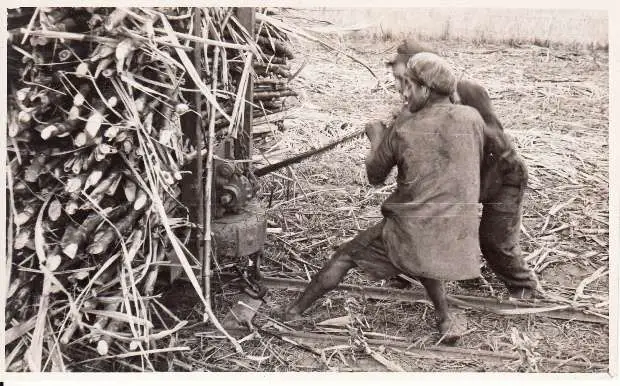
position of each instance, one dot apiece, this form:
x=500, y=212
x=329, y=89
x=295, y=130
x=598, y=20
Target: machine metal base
x=242, y=234
x=240, y=238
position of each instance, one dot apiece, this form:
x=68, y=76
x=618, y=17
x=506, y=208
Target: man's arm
x=475, y=95
x=381, y=158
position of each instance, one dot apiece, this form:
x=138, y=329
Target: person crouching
x=430, y=222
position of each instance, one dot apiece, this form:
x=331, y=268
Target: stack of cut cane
x=271, y=87
x=95, y=155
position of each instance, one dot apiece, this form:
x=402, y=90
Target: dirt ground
x=554, y=105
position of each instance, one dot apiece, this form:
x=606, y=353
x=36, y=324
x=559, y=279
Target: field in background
x=553, y=103
x=587, y=28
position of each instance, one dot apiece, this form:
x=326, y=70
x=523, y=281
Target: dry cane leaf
x=337, y=322
x=18, y=331
x=55, y=355
x=102, y=66
x=602, y=271
x=121, y=316
x=176, y=245
x=258, y=358
x=191, y=70
x=34, y=352
x=39, y=240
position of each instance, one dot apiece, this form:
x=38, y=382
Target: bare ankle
x=452, y=328
x=291, y=313
x=443, y=317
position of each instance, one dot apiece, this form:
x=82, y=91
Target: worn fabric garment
x=502, y=172
x=502, y=188
x=500, y=230
x=431, y=219
x=503, y=191
x=369, y=253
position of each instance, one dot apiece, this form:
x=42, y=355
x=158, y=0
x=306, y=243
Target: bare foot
x=290, y=314
x=525, y=294
x=398, y=283
x=452, y=328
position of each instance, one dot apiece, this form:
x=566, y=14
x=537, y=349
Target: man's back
x=438, y=153
x=432, y=217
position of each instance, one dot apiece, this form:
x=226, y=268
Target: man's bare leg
x=324, y=281
x=451, y=325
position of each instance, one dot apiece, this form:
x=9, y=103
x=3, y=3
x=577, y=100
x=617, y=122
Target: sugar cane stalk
x=97, y=173
x=277, y=46
x=101, y=189
x=103, y=345
x=24, y=239
x=67, y=335
x=35, y=169
x=101, y=321
x=28, y=211
x=198, y=145
x=151, y=278
x=104, y=238
x=74, y=239
x=265, y=95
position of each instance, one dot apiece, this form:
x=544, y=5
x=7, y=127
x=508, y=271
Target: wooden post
x=243, y=144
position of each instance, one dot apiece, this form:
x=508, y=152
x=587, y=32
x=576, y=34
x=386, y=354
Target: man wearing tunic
x=502, y=186
x=430, y=225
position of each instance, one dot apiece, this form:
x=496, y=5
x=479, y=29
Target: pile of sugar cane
x=96, y=153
